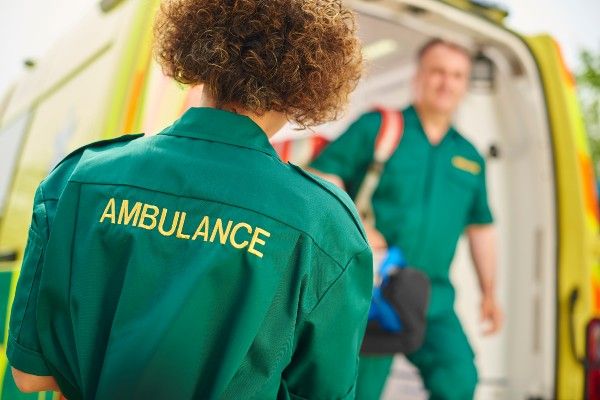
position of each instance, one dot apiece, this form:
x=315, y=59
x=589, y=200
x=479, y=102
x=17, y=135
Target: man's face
x=442, y=78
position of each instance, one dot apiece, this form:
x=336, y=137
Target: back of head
x=298, y=57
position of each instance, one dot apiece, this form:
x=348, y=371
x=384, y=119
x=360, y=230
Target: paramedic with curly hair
x=195, y=264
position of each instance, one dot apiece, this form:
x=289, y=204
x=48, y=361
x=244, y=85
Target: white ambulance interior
x=504, y=116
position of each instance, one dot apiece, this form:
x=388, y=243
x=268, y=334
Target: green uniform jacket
x=191, y=264
x=426, y=197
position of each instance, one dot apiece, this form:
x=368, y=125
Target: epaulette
x=341, y=197
x=100, y=143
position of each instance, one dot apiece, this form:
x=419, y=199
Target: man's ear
x=414, y=84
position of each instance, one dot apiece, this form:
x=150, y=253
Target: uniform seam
x=355, y=219
x=297, y=396
x=219, y=202
x=186, y=135
x=46, y=222
x=39, y=260
x=22, y=347
x=73, y=247
x=336, y=280
x=104, y=142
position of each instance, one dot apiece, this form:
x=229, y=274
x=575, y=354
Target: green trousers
x=445, y=362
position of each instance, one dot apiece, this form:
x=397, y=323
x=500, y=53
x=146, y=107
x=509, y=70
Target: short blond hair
x=430, y=44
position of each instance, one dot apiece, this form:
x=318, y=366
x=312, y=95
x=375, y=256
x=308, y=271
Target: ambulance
x=99, y=81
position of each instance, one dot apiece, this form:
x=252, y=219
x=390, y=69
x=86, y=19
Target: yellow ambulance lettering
x=223, y=234
x=234, y=231
x=161, y=223
x=257, y=240
x=109, y=211
x=180, y=234
x=148, y=217
x=126, y=215
x=239, y=235
x=202, y=229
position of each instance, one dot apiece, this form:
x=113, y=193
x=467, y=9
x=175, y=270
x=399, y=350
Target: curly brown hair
x=299, y=57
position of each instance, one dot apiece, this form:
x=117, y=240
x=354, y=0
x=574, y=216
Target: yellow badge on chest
x=466, y=165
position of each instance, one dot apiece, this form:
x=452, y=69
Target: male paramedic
x=432, y=189
x=195, y=264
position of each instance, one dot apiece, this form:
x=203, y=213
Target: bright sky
x=575, y=24
x=29, y=27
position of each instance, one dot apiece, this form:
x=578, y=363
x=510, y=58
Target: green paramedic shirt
x=426, y=197
x=191, y=264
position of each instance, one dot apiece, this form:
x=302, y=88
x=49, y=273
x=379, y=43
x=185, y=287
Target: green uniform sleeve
x=351, y=153
x=480, y=213
x=325, y=363
x=23, y=349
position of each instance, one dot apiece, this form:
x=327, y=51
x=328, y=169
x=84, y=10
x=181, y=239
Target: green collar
x=412, y=114
x=221, y=126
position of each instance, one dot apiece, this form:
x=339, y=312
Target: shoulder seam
x=344, y=269
x=118, y=139
x=46, y=221
x=310, y=177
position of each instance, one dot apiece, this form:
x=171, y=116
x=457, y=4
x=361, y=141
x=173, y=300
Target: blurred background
x=84, y=74
x=29, y=27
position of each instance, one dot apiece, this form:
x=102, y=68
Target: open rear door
x=578, y=269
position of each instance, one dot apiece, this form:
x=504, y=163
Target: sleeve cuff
x=483, y=216
x=26, y=360
x=481, y=222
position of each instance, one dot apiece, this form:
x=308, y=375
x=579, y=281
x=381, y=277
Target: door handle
x=9, y=256
x=573, y=298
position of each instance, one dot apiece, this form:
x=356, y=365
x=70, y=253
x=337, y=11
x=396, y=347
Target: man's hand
x=379, y=248
x=375, y=238
x=491, y=315
x=482, y=242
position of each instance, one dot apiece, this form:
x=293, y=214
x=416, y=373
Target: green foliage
x=588, y=84
x=590, y=73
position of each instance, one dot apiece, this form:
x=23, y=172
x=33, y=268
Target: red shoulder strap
x=388, y=138
x=389, y=135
